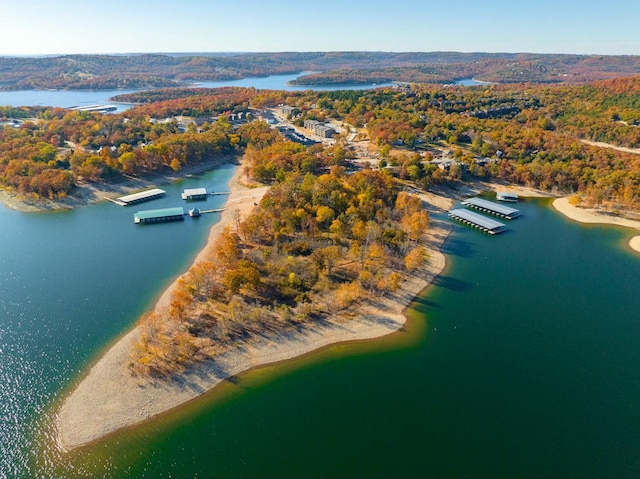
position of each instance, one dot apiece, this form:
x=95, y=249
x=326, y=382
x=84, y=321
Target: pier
x=170, y=214
x=492, y=208
x=478, y=221
x=200, y=193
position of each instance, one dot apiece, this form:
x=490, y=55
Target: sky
x=36, y=27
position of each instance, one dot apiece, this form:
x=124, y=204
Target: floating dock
x=159, y=216
x=492, y=208
x=505, y=196
x=194, y=194
x=140, y=197
x=483, y=223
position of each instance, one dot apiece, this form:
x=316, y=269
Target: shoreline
x=593, y=216
x=87, y=193
x=109, y=398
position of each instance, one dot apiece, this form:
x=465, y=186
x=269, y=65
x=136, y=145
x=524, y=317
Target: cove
x=521, y=361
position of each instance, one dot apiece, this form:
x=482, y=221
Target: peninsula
x=110, y=397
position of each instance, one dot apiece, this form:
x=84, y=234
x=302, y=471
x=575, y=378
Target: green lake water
x=521, y=361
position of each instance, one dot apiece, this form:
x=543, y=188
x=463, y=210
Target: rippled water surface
x=70, y=283
x=521, y=361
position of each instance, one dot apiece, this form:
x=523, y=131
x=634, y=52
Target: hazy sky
x=122, y=26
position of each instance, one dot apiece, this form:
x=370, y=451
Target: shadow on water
x=421, y=303
x=452, y=284
x=456, y=246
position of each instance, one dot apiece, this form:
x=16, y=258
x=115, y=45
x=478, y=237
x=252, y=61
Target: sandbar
x=584, y=215
x=109, y=398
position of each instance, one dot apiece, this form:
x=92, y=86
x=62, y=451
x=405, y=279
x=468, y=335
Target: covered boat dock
x=506, y=196
x=159, y=216
x=477, y=221
x=491, y=207
x=140, y=197
x=194, y=194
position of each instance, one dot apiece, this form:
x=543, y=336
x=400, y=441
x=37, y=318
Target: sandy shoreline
x=583, y=215
x=109, y=398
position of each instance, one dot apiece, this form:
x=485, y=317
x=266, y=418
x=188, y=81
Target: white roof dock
x=140, y=197
x=478, y=221
x=491, y=207
x=506, y=196
x=194, y=193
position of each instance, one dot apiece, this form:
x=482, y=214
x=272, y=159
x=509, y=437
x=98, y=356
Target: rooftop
x=159, y=213
x=492, y=207
x=141, y=196
x=488, y=224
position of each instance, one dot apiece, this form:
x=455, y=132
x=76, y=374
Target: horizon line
x=250, y=52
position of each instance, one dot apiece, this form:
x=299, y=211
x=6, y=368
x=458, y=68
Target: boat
x=194, y=212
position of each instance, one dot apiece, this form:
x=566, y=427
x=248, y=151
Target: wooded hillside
x=155, y=70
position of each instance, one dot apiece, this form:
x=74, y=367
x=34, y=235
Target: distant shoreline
x=593, y=216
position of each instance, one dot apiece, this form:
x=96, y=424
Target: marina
x=492, y=208
x=476, y=220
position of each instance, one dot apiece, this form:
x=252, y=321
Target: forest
x=316, y=244
x=156, y=70
x=534, y=135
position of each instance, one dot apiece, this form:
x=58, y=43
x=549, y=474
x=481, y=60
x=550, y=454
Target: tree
x=225, y=249
x=324, y=215
x=415, y=258
x=415, y=224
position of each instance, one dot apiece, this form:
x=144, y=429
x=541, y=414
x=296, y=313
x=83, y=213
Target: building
x=288, y=111
x=320, y=129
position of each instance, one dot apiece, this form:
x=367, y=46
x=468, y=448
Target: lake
x=472, y=82
x=73, y=98
x=521, y=360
